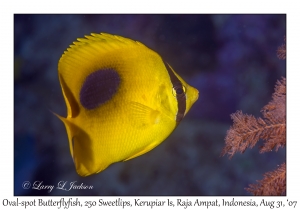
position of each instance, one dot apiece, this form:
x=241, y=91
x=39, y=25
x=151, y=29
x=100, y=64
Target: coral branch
x=273, y=183
x=281, y=51
x=276, y=108
x=247, y=130
x=275, y=112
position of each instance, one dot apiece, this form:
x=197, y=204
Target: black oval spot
x=99, y=87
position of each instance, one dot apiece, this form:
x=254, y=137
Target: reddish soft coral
x=248, y=130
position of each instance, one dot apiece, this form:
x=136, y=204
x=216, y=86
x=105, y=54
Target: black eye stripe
x=180, y=96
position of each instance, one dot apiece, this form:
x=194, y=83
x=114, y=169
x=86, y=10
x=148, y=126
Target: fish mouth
x=196, y=95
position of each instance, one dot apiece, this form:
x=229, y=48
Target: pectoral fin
x=143, y=116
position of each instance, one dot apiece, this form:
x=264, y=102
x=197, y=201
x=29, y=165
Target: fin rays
x=142, y=115
x=72, y=105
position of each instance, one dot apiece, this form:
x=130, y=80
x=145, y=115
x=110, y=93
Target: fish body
x=122, y=100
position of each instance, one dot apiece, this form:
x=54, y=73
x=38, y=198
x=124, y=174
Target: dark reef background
x=230, y=59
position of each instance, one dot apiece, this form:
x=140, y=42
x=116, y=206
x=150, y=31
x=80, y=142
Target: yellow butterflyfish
x=122, y=100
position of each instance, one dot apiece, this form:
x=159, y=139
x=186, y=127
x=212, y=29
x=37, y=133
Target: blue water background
x=230, y=59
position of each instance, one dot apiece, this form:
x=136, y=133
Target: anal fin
x=145, y=150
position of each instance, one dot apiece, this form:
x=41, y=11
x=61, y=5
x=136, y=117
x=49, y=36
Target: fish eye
x=178, y=90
